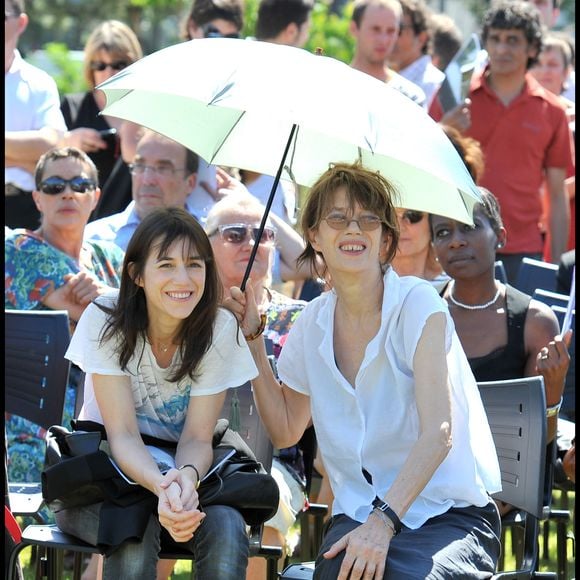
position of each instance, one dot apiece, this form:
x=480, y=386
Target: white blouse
x=160, y=405
x=375, y=425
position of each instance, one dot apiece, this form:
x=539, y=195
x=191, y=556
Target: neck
x=473, y=291
x=68, y=241
x=506, y=87
x=378, y=70
x=358, y=295
x=415, y=265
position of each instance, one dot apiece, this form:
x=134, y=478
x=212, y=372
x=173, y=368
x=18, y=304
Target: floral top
x=281, y=314
x=33, y=268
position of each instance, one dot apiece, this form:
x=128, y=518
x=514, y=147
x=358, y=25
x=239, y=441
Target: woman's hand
x=186, y=479
x=366, y=550
x=84, y=138
x=84, y=288
x=243, y=306
x=552, y=363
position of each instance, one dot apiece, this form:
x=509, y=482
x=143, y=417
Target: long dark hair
x=128, y=319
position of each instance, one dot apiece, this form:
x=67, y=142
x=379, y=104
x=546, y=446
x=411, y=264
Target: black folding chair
x=536, y=274
x=35, y=377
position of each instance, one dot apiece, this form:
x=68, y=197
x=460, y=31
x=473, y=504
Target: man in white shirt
x=32, y=117
x=375, y=26
x=410, y=54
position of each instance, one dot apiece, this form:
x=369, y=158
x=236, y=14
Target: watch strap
x=384, y=507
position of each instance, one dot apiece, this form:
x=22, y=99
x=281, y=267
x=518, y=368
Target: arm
x=542, y=336
x=367, y=546
x=27, y=146
x=284, y=412
x=559, y=211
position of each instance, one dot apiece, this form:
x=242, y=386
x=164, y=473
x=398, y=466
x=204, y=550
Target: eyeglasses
x=238, y=233
x=211, y=31
x=116, y=65
x=160, y=170
x=57, y=185
x=366, y=223
x=413, y=217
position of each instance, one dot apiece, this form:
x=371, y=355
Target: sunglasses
x=413, y=217
x=57, y=185
x=101, y=66
x=366, y=223
x=211, y=31
x=238, y=233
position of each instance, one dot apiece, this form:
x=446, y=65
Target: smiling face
x=349, y=250
x=174, y=282
x=466, y=251
x=68, y=210
x=551, y=70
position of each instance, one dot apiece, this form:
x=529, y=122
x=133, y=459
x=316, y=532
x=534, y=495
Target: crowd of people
x=146, y=244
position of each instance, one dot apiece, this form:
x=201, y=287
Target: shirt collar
x=16, y=62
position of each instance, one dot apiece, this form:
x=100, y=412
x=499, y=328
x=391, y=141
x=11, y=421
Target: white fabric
x=375, y=425
x=31, y=102
x=199, y=201
x=407, y=88
x=161, y=406
x=117, y=228
x=284, y=203
x=424, y=74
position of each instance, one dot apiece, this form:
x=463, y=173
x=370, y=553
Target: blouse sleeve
x=86, y=349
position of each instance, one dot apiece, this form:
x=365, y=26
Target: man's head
x=375, y=25
x=413, y=34
x=512, y=36
x=445, y=39
x=214, y=18
x=549, y=11
x=164, y=173
x=15, y=23
x=284, y=21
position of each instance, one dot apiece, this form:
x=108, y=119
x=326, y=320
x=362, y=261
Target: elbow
x=445, y=439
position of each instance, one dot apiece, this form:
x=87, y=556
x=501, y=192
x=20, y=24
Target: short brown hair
x=64, y=153
x=364, y=187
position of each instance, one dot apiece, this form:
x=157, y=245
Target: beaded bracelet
x=259, y=331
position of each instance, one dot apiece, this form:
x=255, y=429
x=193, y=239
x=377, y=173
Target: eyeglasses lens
x=239, y=234
x=413, y=217
x=101, y=66
x=365, y=223
x=57, y=185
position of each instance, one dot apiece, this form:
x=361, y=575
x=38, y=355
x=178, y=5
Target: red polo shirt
x=519, y=142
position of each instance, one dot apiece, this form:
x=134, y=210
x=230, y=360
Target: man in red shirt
x=524, y=134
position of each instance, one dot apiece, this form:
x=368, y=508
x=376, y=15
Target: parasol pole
x=268, y=206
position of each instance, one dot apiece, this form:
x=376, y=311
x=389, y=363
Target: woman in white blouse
x=378, y=367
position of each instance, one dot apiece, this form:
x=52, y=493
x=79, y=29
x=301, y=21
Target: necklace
x=474, y=306
x=164, y=347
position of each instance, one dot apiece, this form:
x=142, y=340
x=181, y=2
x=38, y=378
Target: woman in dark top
x=504, y=333
x=111, y=47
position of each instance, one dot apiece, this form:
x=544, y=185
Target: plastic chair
x=551, y=298
x=500, y=273
x=36, y=376
x=516, y=412
x=536, y=274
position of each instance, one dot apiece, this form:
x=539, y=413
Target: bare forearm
x=290, y=245
x=559, y=226
x=197, y=453
x=28, y=146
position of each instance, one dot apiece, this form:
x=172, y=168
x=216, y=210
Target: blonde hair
x=114, y=37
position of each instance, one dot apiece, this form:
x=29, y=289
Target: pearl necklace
x=474, y=306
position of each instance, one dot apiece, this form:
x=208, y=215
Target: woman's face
x=550, y=70
x=465, y=251
x=110, y=64
x=174, y=282
x=70, y=209
x=352, y=249
x=415, y=236
x=232, y=244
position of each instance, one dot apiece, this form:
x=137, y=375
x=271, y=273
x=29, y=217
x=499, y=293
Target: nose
x=457, y=239
x=181, y=274
x=348, y=226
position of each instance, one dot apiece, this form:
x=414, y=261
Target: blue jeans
x=220, y=545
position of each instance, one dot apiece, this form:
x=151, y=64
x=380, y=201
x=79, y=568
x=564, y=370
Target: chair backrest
x=36, y=372
x=551, y=298
x=536, y=274
x=516, y=411
x=240, y=410
x=500, y=273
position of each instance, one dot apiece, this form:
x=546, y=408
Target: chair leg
x=271, y=568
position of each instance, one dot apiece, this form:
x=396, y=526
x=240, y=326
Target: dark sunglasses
x=101, y=66
x=238, y=233
x=57, y=185
x=211, y=31
x=413, y=217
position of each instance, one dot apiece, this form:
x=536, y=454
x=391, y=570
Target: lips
x=353, y=247
x=460, y=258
x=179, y=295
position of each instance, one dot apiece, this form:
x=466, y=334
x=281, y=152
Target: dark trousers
x=512, y=263
x=20, y=211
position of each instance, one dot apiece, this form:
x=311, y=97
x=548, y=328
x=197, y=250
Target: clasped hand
x=366, y=551
x=178, y=505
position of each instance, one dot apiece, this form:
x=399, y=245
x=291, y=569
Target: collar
x=17, y=62
x=532, y=87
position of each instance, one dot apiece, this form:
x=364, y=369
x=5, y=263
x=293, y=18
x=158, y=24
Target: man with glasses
x=33, y=121
x=375, y=26
x=163, y=174
x=410, y=55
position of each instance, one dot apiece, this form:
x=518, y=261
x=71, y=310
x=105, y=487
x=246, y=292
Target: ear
x=501, y=239
x=191, y=181
x=385, y=242
x=313, y=239
x=131, y=271
x=353, y=28
x=194, y=30
x=36, y=197
x=22, y=23
x=423, y=38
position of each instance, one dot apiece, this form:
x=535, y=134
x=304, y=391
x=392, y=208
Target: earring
x=499, y=246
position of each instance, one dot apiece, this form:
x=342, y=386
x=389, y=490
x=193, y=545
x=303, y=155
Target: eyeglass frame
x=68, y=183
x=343, y=225
x=117, y=65
x=158, y=171
x=255, y=229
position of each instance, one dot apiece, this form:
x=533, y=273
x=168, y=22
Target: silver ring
x=544, y=357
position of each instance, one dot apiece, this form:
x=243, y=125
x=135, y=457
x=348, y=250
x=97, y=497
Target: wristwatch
x=384, y=507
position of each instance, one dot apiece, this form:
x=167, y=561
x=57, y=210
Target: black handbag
x=77, y=472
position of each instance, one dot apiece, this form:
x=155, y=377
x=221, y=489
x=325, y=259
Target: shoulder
x=37, y=78
x=407, y=88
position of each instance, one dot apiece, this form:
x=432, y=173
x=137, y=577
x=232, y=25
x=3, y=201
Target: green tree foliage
x=69, y=78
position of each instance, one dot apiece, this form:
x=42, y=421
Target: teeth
x=179, y=294
x=353, y=248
